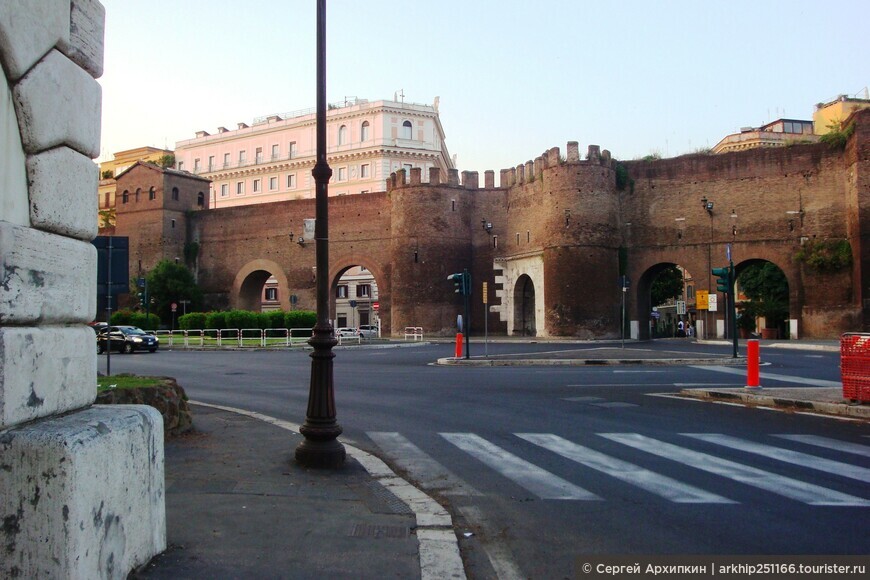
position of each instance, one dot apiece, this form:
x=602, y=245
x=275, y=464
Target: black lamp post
x=321, y=447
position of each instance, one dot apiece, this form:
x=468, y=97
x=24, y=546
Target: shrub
x=143, y=321
x=241, y=319
x=300, y=319
x=122, y=317
x=192, y=321
x=275, y=318
x=825, y=255
x=216, y=320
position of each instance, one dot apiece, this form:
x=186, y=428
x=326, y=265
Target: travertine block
x=62, y=186
x=573, y=152
x=45, y=278
x=14, y=206
x=58, y=103
x=87, y=28
x=45, y=370
x=83, y=494
x=29, y=29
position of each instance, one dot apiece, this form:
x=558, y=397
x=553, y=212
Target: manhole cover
x=377, y=531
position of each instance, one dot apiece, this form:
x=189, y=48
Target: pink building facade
x=272, y=159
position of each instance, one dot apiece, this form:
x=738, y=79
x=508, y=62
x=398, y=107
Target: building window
x=240, y=187
x=364, y=171
x=226, y=159
x=181, y=165
x=272, y=294
x=342, y=173
x=276, y=151
x=341, y=291
x=243, y=156
x=342, y=135
x=364, y=131
x=259, y=154
x=211, y=162
x=256, y=186
x=152, y=194
x=406, y=130
x=225, y=189
x=138, y=191
x=273, y=183
x=173, y=224
x=174, y=193
x=363, y=290
x=196, y=165
x=291, y=181
x=125, y=197
x=200, y=199
x=292, y=150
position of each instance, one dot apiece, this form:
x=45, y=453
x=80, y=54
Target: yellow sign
x=702, y=299
x=484, y=293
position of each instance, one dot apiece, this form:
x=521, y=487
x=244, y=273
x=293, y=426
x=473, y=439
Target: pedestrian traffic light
x=725, y=280
x=458, y=282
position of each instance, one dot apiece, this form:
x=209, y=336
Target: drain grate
x=377, y=531
x=393, y=504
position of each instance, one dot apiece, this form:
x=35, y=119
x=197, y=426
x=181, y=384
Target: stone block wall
x=97, y=512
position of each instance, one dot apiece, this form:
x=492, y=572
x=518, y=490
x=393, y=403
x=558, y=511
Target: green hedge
x=127, y=317
x=240, y=319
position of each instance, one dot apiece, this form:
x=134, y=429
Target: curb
x=574, y=362
x=439, y=546
x=763, y=400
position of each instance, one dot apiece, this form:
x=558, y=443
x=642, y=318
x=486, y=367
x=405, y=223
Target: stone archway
x=383, y=313
x=249, y=282
x=524, y=307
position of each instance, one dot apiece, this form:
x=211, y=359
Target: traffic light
x=458, y=282
x=141, y=299
x=725, y=279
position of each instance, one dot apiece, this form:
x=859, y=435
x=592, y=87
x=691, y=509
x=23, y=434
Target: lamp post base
x=320, y=454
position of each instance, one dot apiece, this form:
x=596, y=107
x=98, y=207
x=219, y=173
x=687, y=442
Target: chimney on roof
x=243, y=125
x=202, y=134
x=273, y=118
x=222, y=129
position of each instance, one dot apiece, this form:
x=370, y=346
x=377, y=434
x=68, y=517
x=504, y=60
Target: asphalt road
x=545, y=464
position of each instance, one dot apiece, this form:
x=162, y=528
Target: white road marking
x=538, y=481
x=834, y=444
x=494, y=545
x=786, y=455
x=780, y=485
x=650, y=481
x=771, y=376
x=430, y=473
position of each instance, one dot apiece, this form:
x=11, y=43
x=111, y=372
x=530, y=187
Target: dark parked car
x=126, y=339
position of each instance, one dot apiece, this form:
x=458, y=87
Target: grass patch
x=127, y=382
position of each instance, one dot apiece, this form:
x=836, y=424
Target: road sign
x=376, y=306
x=701, y=299
x=681, y=306
x=174, y=306
x=624, y=282
x=484, y=293
x=655, y=314
x=352, y=303
x=712, y=302
x=728, y=252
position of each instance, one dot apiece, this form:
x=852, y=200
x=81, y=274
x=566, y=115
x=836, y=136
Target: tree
x=668, y=284
x=169, y=282
x=167, y=160
x=767, y=288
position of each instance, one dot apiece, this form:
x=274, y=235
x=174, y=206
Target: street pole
x=467, y=296
x=623, y=313
x=321, y=448
x=733, y=306
x=109, y=309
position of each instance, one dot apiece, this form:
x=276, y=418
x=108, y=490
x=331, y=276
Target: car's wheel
x=128, y=348
x=152, y=350
x=100, y=348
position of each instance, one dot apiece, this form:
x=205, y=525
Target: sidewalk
x=238, y=506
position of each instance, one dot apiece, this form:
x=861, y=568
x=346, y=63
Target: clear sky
x=514, y=77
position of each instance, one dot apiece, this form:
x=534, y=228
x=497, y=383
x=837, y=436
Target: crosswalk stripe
x=786, y=455
x=834, y=444
x=538, y=481
x=428, y=472
x=790, y=488
x=660, y=485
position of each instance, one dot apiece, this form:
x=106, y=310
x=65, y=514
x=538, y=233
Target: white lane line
x=771, y=376
x=426, y=470
x=635, y=372
x=834, y=444
x=541, y=483
x=786, y=455
x=784, y=486
x=661, y=485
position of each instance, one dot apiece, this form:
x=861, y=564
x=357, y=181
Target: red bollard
x=458, y=345
x=752, y=362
